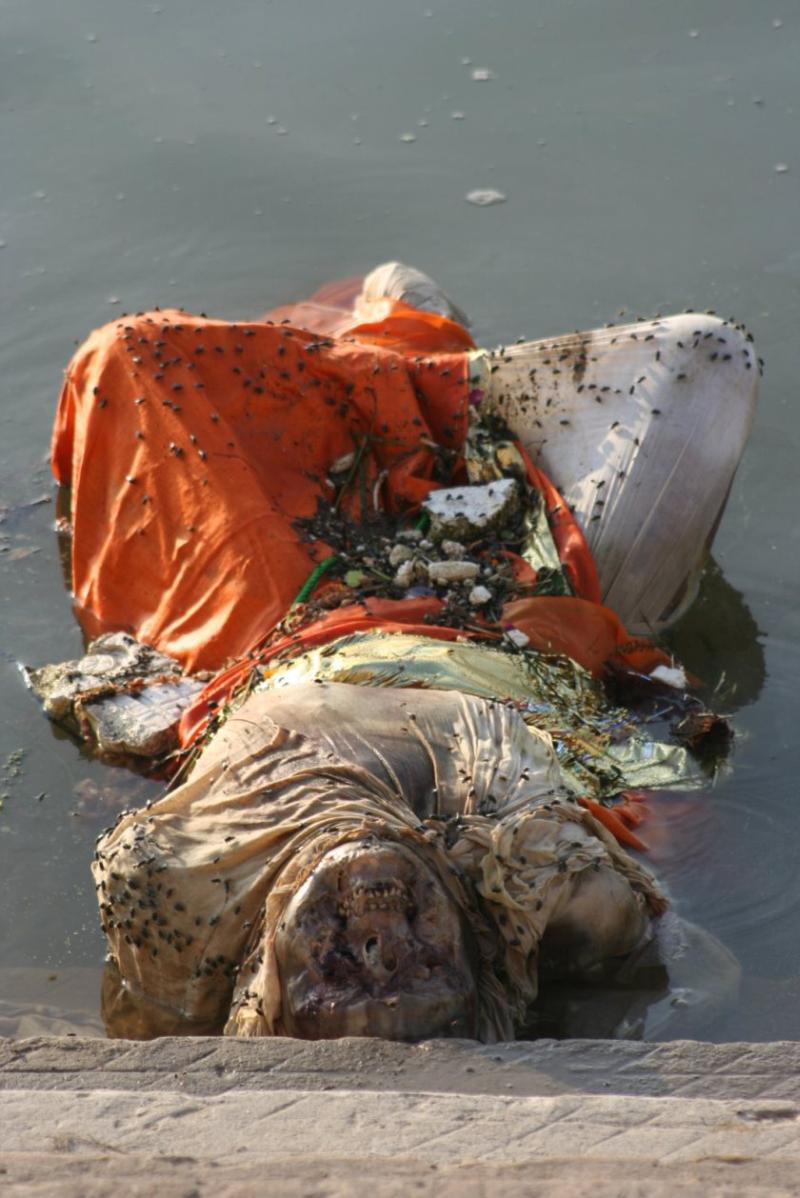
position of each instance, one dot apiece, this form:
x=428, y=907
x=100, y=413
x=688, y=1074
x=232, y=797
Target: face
x=371, y=945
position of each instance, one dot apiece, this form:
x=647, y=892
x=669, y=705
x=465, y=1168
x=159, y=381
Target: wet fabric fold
x=191, y=889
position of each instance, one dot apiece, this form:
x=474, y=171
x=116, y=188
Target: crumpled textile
x=192, y=447
x=600, y=750
x=191, y=889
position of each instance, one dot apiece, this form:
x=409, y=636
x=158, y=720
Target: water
x=230, y=157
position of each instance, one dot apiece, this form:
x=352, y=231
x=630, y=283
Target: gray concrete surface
x=201, y=1116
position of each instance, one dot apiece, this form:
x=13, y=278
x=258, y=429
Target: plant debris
x=461, y=548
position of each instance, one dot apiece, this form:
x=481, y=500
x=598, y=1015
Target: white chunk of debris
x=442, y=573
x=478, y=596
x=143, y=724
x=452, y=549
x=399, y=554
x=410, y=534
x=122, y=696
x=674, y=676
x=485, y=197
x=517, y=637
x=404, y=576
x=341, y=464
x=464, y=513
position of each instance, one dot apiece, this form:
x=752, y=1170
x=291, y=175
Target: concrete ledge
x=225, y=1117
x=41, y=1175
x=213, y=1065
x=434, y=1128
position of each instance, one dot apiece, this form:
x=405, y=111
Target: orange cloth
x=192, y=446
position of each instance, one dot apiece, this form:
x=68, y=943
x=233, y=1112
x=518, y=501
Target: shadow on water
x=719, y=641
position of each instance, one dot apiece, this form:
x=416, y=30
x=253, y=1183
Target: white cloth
x=641, y=427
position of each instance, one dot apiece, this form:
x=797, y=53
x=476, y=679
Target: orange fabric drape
x=192, y=446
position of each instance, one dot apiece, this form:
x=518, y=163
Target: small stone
x=343, y=463
x=410, y=534
x=478, y=596
x=517, y=637
x=442, y=573
x=405, y=574
x=399, y=554
x=452, y=549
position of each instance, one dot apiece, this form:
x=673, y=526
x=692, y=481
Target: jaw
x=403, y=1016
x=372, y=946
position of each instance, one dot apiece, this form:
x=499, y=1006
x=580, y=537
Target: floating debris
x=20, y=553
x=122, y=697
x=781, y=168
x=457, y=115
x=408, y=137
x=482, y=74
x=484, y=197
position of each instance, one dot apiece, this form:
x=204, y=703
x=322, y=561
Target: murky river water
x=229, y=157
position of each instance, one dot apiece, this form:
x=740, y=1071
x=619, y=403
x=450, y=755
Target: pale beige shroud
x=192, y=889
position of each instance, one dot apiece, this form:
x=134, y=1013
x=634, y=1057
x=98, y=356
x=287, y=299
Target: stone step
x=214, y=1065
x=261, y=1126
x=188, y=1117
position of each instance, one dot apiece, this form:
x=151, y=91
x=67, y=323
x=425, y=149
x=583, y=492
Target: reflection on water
x=638, y=171
x=719, y=641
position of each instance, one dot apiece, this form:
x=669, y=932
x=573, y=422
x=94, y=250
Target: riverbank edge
x=196, y=1115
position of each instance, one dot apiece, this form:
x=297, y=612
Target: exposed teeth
x=380, y=896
